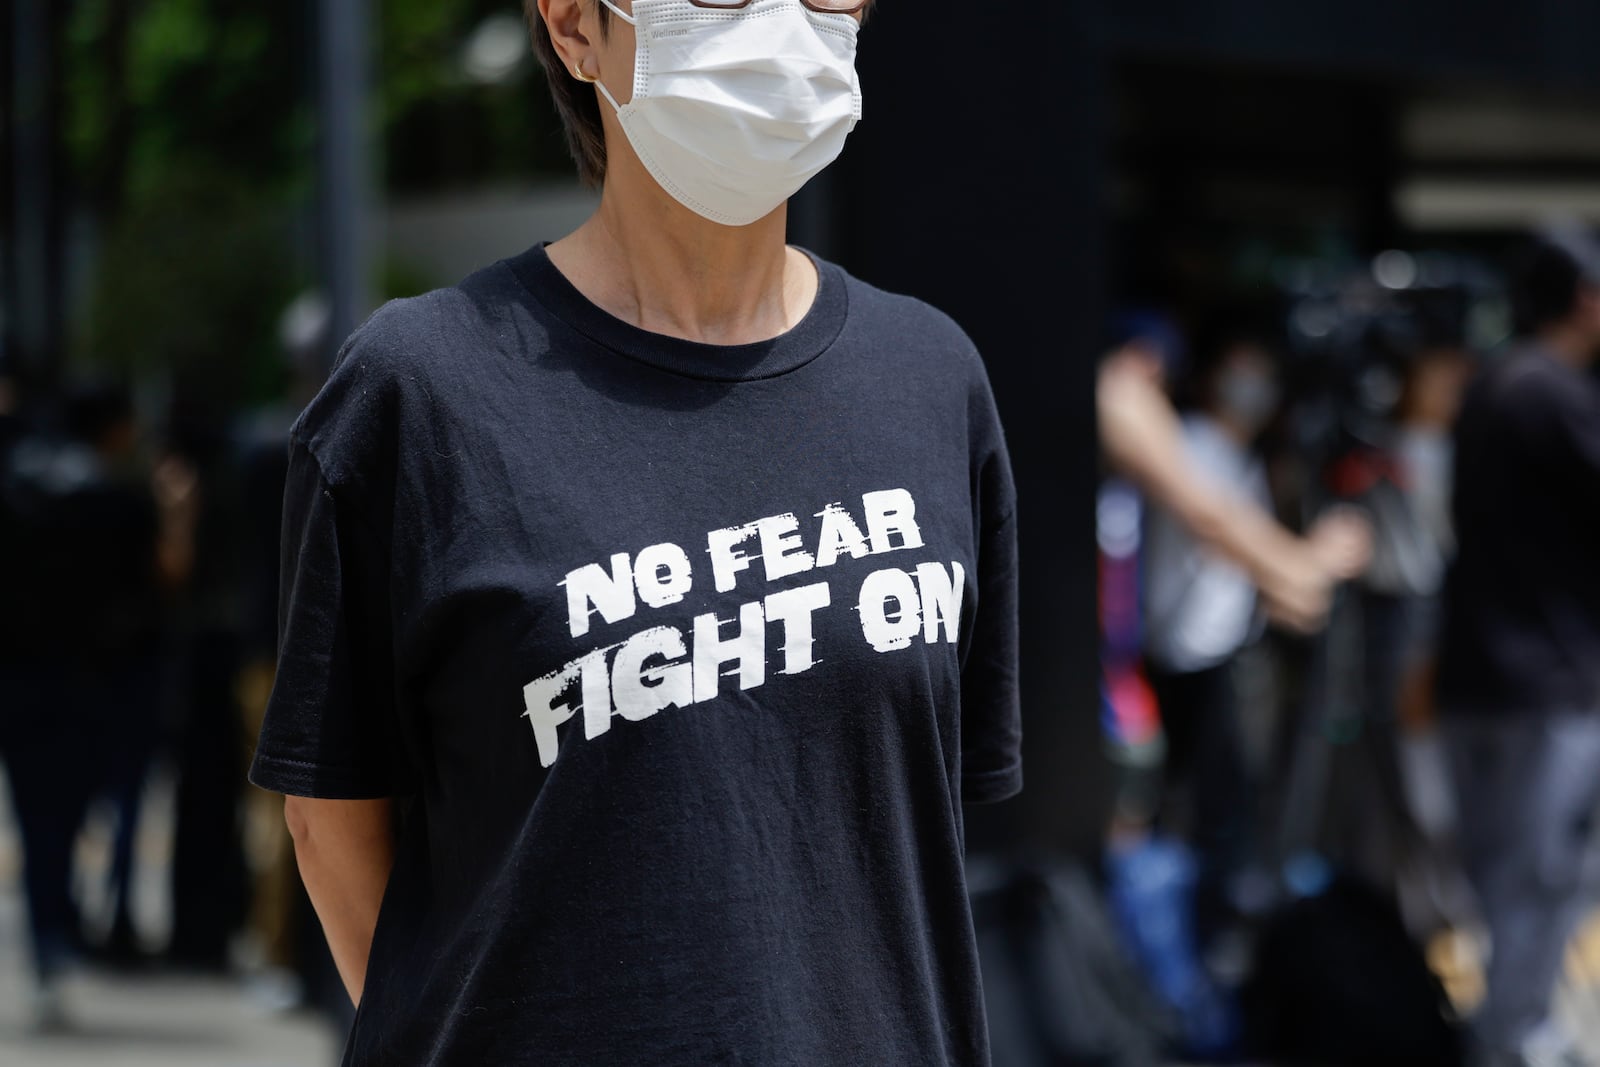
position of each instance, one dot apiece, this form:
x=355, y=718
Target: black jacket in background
x=1522, y=626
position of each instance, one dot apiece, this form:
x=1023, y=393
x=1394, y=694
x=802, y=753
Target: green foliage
x=205, y=86
x=440, y=127
x=190, y=284
x=400, y=279
x=190, y=135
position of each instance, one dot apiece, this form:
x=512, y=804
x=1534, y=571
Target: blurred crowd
x=139, y=540
x=1365, y=834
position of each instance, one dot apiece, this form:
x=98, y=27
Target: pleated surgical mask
x=733, y=110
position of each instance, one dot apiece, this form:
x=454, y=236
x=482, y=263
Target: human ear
x=564, y=20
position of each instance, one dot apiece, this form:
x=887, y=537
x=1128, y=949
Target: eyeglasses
x=827, y=7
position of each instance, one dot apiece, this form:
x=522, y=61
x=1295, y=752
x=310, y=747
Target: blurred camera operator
x=1201, y=612
x=1142, y=438
x=1519, y=669
x=1214, y=524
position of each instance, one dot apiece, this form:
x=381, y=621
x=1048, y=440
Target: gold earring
x=577, y=72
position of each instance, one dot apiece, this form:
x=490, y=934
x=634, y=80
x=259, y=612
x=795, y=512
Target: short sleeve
x=991, y=713
x=329, y=728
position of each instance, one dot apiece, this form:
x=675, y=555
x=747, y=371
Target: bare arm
x=1142, y=439
x=345, y=850
x=177, y=494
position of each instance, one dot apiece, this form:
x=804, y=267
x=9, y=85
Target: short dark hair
x=1218, y=332
x=1552, y=268
x=1224, y=328
x=576, y=102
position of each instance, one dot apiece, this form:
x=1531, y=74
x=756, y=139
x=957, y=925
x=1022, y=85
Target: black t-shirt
x=1522, y=624
x=684, y=658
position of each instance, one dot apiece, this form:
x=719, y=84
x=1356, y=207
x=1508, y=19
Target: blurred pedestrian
x=13, y=420
x=1519, y=670
x=208, y=743
x=95, y=538
x=44, y=699
x=1403, y=481
x=1430, y=402
x=138, y=549
x=661, y=580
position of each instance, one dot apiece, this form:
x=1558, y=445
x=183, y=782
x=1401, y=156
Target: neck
x=1570, y=345
x=1424, y=421
x=652, y=262
x=1416, y=414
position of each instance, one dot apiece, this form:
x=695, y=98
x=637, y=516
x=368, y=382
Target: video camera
x=1352, y=334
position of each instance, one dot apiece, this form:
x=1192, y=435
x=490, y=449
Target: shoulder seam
x=298, y=438
x=337, y=489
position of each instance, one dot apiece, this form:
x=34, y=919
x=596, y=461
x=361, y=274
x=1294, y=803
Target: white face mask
x=735, y=110
x=1248, y=395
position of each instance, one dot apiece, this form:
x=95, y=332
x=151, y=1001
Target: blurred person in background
x=140, y=554
x=1141, y=434
x=702, y=804
x=1430, y=401
x=1142, y=438
x=1388, y=816
x=1440, y=907
x=1519, y=668
x=1152, y=345
x=1201, y=611
x=95, y=539
x=207, y=742
x=1404, y=482
x=12, y=418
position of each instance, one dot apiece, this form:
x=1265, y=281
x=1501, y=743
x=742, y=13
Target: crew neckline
x=805, y=341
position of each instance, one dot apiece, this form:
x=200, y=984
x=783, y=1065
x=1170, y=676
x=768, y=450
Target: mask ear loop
x=596, y=82
x=621, y=14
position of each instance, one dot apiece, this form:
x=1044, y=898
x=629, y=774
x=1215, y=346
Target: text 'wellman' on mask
x=663, y=667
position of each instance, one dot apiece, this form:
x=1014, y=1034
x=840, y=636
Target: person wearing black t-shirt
x=1519, y=669
x=660, y=583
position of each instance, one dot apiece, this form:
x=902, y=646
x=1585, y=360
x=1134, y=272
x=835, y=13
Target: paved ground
x=163, y=1022
x=147, y=1020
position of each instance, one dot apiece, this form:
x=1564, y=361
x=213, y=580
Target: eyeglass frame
x=812, y=5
